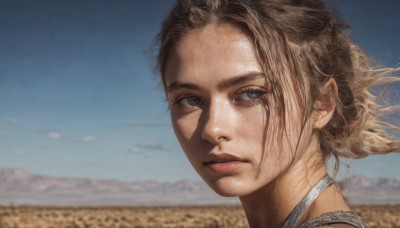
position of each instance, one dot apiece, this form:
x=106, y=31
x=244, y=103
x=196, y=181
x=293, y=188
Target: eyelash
x=179, y=99
x=260, y=95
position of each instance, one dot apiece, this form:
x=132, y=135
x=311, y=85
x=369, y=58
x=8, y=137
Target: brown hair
x=310, y=40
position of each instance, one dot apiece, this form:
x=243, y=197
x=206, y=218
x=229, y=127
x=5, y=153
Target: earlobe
x=325, y=104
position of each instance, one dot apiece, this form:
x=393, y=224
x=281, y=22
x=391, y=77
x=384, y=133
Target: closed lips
x=221, y=158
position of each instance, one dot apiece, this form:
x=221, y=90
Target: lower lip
x=225, y=167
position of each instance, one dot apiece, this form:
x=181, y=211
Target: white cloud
x=12, y=120
x=53, y=135
x=20, y=152
x=137, y=123
x=88, y=138
x=149, y=148
x=9, y=121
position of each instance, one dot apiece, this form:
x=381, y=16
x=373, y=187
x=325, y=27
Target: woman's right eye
x=188, y=102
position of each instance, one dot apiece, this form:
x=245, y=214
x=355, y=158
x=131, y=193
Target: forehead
x=211, y=52
x=214, y=35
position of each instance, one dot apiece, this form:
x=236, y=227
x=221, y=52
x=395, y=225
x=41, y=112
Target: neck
x=270, y=205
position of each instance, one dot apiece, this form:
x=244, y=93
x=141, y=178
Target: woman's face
x=215, y=87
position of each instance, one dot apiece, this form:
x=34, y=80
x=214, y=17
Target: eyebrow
x=182, y=85
x=240, y=79
x=236, y=80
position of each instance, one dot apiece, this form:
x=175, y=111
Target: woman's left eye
x=249, y=94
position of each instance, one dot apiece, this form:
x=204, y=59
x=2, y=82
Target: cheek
x=250, y=124
x=275, y=145
x=185, y=129
x=250, y=131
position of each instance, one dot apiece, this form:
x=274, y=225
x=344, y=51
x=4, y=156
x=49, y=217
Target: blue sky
x=78, y=96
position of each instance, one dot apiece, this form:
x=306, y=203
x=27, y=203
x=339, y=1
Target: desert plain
x=169, y=216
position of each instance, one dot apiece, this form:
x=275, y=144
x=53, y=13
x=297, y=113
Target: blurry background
x=78, y=97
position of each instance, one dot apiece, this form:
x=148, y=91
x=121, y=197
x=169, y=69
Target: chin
x=230, y=187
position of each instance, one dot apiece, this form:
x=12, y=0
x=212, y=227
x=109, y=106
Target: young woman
x=261, y=94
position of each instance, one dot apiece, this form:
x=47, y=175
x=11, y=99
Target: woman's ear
x=325, y=104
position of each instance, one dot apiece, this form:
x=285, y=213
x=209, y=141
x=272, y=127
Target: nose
x=218, y=121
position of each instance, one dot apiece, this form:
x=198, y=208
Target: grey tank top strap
x=307, y=200
x=336, y=217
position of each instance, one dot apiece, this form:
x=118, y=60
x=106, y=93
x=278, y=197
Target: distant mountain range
x=364, y=190
x=19, y=187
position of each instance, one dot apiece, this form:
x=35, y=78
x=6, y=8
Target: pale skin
x=215, y=85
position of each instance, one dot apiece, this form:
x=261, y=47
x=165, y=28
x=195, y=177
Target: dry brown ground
x=187, y=216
